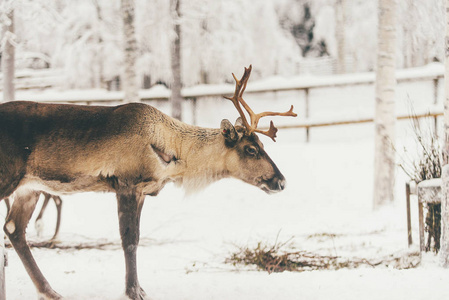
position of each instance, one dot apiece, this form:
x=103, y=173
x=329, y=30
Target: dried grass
x=276, y=259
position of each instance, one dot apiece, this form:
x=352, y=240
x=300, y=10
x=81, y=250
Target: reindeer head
x=248, y=160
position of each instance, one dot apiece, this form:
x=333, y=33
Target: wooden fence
x=36, y=79
x=432, y=73
x=411, y=75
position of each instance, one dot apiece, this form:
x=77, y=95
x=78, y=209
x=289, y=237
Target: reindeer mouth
x=264, y=188
x=271, y=186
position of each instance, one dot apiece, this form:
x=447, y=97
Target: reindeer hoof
x=137, y=294
x=50, y=295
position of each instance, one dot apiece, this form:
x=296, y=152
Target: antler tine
x=288, y=113
x=237, y=99
x=247, y=71
x=240, y=86
x=271, y=132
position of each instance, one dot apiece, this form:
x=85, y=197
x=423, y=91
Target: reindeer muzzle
x=273, y=185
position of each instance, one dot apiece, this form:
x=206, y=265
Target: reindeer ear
x=239, y=126
x=239, y=122
x=228, y=131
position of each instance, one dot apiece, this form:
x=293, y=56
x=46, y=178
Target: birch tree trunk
x=130, y=83
x=8, y=56
x=385, y=119
x=444, y=243
x=340, y=17
x=7, y=64
x=99, y=81
x=2, y=267
x=176, y=98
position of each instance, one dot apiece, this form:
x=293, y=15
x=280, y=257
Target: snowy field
x=326, y=209
x=185, y=240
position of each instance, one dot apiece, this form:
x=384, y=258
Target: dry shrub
x=426, y=166
x=272, y=259
x=275, y=259
x=428, y=163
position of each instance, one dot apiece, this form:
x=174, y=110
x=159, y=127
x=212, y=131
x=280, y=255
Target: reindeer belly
x=99, y=166
x=65, y=185
x=56, y=181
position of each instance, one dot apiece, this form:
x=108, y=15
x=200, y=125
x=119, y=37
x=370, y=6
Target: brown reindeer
x=132, y=150
x=38, y=222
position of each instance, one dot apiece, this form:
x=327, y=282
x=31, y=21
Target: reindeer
x=132, y=150
x=38, y=222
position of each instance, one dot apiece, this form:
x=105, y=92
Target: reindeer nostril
x=281, y=185
x=273, y=184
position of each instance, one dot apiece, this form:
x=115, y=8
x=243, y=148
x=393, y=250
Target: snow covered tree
x=421, y=23
x=84, y=39
x=385, y=119
x=218, y=37
x=99, y=53
x=176, y=98
x=444, y=245
x=221, y=36
x=299, y=18
x=129, y=80
x=36, y=28
x=8, y=51
x=340, y=28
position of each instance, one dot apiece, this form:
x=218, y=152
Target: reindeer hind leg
x=15, y=226
x=58, y=203
x=8, y=205
x=38, y=224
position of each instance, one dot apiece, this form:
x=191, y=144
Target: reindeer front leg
x=129, y=209
x=15, y=226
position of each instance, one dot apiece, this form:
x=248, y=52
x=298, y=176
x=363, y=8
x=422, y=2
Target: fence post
x=2, y=266
x=435, y=102
x=409, y=221
x=194, y=110
x=307, y=108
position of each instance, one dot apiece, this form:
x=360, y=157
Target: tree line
x=84, y=37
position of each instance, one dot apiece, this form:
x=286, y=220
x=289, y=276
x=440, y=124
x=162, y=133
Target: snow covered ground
x=326, y=209
x=185, y=240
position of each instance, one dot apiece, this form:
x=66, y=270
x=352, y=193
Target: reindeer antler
x=237, y=99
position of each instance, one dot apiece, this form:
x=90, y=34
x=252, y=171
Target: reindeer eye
x=251, y=151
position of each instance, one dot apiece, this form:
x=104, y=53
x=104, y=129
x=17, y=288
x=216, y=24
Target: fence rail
x=308, y=125
x=358, y=120
x=28, y=79
x=433, y=72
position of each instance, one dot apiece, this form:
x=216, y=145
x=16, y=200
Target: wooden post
x=194, y=111
x=421, y=227
x=307, y=109
x=409, y=222
x=2, y=266
x=435, y=102
x=429, y=191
